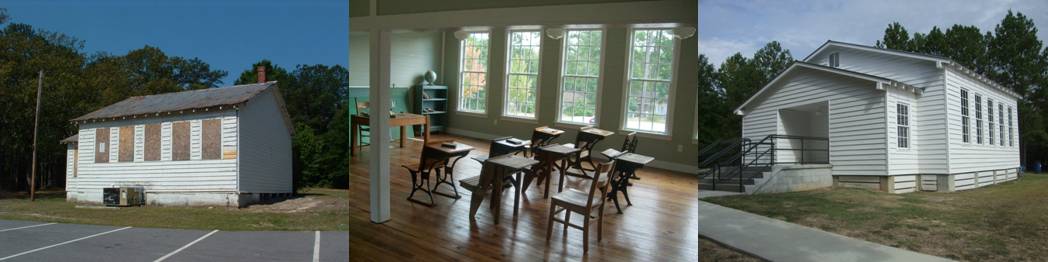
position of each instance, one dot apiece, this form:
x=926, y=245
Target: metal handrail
x=748, y=150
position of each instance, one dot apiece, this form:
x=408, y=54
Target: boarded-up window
x=211, y=136
x=152, y=143
x=101, y=145
x=180, y=141
x=127, y=144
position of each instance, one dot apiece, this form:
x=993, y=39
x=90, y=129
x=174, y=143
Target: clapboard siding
x=902, y=160
x=856, y=117
x=265, y=151
x=972, y=156
x=156, y=176
x=971, y=180
x=904, y=184
x=927, y=119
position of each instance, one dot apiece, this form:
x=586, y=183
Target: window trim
x=674, y=67
x=966, y=118
x=978, y=119
x=990, y=122
x=1011, y=130
x=600, y=76
x=487, y=77
x=898, y=127
x=508, y=72
x=1000, y=122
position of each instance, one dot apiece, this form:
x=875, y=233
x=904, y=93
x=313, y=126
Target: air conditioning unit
x=123, y=196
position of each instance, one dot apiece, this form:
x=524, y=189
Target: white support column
x=380, y=97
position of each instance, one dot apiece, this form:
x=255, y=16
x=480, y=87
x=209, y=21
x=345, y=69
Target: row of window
x=991, y=123
x=650, y=76
x=211, y=142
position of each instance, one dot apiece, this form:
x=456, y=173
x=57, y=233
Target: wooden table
x=596, y=131
x=507, y=165
x=625, y=166
x=448, y=176
x=402, y=120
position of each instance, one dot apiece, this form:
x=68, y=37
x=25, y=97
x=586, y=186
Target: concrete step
x=721, y=187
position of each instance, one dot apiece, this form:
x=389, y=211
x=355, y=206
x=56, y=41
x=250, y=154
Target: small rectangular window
x=903, y=122
x=151, y=148
x=989, y=117
x=101, y=142
x=180, y=141
x=211, y=136
x=835, y=60
x=965, y=119
x=978, y=120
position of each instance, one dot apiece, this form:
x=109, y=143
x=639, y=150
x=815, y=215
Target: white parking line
x=17, y=228
x=63, y=243
x=186, y=246
x=316, y=248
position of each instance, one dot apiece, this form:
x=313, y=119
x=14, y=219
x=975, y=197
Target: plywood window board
x=180, y=141
x=126, y=152
x=152, y=143
x=211, y=139
x=101, y=145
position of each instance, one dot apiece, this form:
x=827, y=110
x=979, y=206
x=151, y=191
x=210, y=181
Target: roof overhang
x=880, y=83
x=940, y=62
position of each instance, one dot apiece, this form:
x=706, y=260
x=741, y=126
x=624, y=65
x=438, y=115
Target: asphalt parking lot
x=38, y=241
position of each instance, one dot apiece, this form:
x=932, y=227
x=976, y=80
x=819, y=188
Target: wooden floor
x=662, y=224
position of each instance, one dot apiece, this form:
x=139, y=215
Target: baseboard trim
x=660, y=164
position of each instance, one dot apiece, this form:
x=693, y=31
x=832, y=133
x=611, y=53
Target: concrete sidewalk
x=777, y=240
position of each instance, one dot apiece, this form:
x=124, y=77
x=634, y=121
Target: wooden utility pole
x=36, y=123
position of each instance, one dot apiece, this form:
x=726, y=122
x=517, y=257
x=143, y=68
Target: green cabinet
x=432, y=101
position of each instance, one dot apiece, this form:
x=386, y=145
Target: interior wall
x=679, y=149
x=413, y=52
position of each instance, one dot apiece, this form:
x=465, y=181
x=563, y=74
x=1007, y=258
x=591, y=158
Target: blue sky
x=229, y=35
x=730, y=26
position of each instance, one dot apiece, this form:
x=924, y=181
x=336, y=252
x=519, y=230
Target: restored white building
x=892, y=120
x=227, y=146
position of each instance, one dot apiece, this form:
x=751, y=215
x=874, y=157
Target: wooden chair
x=365, y=131
x=429, y=162
x=583, y=203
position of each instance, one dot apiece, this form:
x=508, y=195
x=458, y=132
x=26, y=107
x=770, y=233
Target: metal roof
x=179, y=101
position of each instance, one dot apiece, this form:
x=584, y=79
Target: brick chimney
x=261, y=73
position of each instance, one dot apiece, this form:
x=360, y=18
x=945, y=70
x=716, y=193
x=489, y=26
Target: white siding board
x=265, y=151
x=856, y=110
x=972, y=157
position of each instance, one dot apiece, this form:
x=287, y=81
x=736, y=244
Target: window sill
x=473, y=114
x=520, y=119
x=652, y=135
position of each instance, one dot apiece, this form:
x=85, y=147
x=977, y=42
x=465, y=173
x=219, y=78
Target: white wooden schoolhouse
x=891, y=120
x=227, y=146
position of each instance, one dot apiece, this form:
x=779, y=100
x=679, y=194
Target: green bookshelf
x=432, y=101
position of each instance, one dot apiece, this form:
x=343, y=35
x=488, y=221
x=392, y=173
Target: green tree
x=771, y=60
x=895, y=37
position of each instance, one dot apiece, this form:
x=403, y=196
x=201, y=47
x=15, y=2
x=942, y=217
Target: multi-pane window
x=989, y=117
x=965, y=119
x=978, y=119
x=1000, y=122
x=1011, y=129
x=522, y=76
x=474, y=71
x=902, y=113
x=650, y=79
x=580, y=75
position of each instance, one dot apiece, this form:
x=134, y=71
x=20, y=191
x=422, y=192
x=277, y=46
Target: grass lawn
x=1008, y=221
x=316, y=209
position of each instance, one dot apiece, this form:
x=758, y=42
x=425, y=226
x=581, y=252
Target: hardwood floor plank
x=661, y=225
